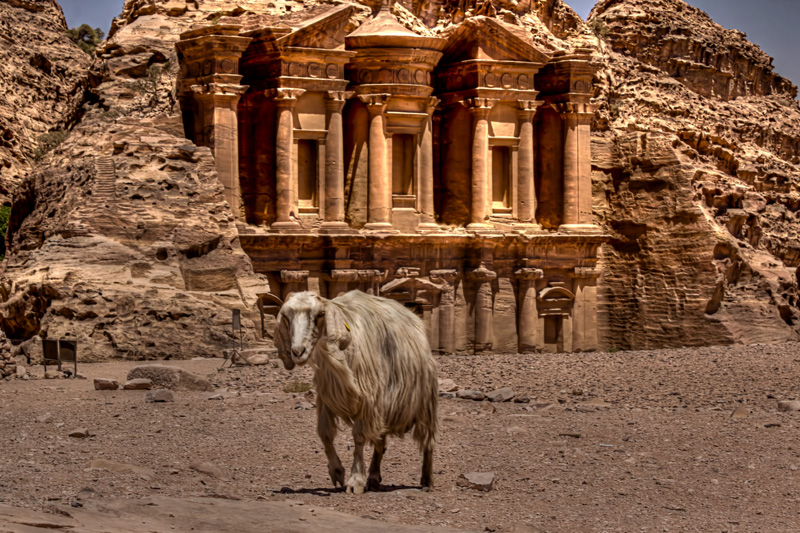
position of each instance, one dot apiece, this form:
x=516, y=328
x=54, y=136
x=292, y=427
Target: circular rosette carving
x=523, y=82
x=314, y=70
x=490, y=79
x=404, y=76
x=419, y=76
x=332, y=71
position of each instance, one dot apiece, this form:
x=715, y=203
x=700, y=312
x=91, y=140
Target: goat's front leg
x=374, y=479
x=357, y=480
x=326, y=429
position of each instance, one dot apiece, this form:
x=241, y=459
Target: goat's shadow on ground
x=327, y=491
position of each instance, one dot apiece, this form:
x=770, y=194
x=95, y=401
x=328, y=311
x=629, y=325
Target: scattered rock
x=171, y=377
x=482, y=481
x=306, y=406
x=105, y=384
x=159, y=395
x=122, y=468
x=521, y=398
x=788, y=406
x=447, y=385
x=45, y=418
x=53, y=374
x=740, y=412
x=476, y=395
x=138, y=384
x=209, y=469
x=488, y=407
x=22, y=372
x=80, y=433
x=594, y=404
x=501, y=395
x=216, y=397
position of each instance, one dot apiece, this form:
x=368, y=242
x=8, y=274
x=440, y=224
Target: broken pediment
x=326, y=30
x=490, y=39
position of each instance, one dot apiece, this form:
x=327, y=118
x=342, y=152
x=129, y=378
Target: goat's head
x=302, y=321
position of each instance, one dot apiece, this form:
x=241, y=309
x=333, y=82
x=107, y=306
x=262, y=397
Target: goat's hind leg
x=358, y=480
x=326, y=429
x=374, y=479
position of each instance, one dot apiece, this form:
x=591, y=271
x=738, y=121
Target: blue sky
x=771, y=24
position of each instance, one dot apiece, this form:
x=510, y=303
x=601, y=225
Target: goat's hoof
x=374, y=484
x=337, y=476
x=356, y=485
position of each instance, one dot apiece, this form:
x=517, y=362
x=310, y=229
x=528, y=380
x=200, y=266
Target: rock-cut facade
x=451, y=173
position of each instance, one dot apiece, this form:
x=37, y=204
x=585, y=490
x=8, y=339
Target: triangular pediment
x=325, y=31
x=490, y=39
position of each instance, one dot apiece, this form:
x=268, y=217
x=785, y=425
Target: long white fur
x=373, y=369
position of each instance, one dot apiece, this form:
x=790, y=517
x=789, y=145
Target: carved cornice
x=344, y=275
x=576, y=109
x=526, y=109
x=477, y=105
x=219, y=89
x=585, y=272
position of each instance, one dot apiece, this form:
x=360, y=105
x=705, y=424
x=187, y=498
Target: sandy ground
x=626, y=441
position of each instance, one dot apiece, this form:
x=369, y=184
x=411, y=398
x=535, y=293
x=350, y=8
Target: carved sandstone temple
x=452, y=173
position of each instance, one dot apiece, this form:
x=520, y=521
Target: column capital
x=372, y=275
x=286, y=96
x=526, y=109
x=479, y=106
x=346, y=275
x=529, y=273
x=481, y=274
x=376, y=103
x=432, y=103
x=294, y=276
x=581, y=110
x=444, y=275
x=220, y=94
x=335, y=100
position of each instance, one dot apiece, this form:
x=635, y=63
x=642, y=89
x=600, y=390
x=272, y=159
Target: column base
x=527, y=228
x=428, y=227
x=380, y=227
x=336, y=228
x=481, y=228
x=580, y=229
x=286, y=227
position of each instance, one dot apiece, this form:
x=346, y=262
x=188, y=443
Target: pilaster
x=285, y=174
x=479, y=108
x=334, y=165
x=380, y=191
x=526, y=163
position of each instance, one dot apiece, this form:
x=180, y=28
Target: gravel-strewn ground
x=658, y=449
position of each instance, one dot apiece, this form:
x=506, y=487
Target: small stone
x=521, y=398
x=105, y=384
x=482, y=481
x=22, y=372
x=159, y=395
x=138, y=384
x=594, y=404
x=81, y=433
x=216, y=397
x=53, y=374
x=501, y=395
x=209, y=469
x=476, y=395
x=45, y=418
x=447, y=385
x=788, y=406
x=740, y=412
x=488, y=407
x=304, y=405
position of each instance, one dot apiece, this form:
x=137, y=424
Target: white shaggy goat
x=373, y=369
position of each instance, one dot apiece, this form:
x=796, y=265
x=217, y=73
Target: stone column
x=526, y=189
x=577, y=213
x=584, y=311
x=285, y=176
x=371, y=280
x=527, y=318
x=425, y=191
x=380, y=190
x=447, y=309
x=480, y=108
x=220, y=125
x=483, y=278
x=293, y=281
x=339, y=280
x=334, y=164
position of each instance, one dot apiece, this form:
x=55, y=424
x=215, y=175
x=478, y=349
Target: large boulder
x=170, y=377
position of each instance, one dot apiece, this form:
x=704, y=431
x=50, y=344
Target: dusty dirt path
x=654, y=445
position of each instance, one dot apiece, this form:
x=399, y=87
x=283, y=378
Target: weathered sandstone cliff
x=696, y=147
x=42, y=80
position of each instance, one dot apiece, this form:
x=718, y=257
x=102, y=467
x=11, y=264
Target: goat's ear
x=281, y=340
x=336, y=329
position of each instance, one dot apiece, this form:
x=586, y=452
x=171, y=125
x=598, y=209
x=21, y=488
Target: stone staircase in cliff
x=105, y=188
